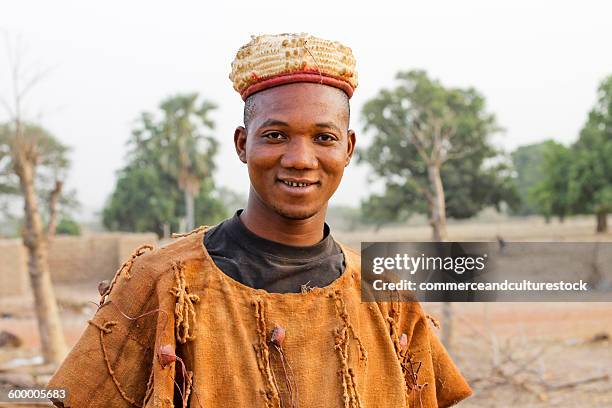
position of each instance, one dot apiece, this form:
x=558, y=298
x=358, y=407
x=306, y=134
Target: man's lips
x=298, y=186
x=297, y=182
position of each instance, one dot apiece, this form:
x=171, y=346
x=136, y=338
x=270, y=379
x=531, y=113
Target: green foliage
x=143, y=200
x=473, y=174
x=166, y=157
x=591, y=177
x=578, y=180
x=551, y=193
x=179, y=142
x=68, y=226
x=210, y=207
x=528, y=163
x=50, y=158
x=48, y=155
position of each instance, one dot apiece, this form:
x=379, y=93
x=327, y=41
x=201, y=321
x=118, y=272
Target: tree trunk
x=49, y=324
x=189, y=211
x=602, y=222
x=437, y=206
x=437, y=214
x=52, y=227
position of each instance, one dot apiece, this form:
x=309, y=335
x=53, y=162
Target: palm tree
x=180, y=144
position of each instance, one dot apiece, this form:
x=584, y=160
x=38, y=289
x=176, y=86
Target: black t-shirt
x=274, y=267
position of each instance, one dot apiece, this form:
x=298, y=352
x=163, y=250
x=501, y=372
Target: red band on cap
x=298, y=76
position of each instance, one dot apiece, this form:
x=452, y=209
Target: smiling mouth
x=297, y=184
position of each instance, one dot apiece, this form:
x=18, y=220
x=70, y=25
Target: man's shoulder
x=184, y=249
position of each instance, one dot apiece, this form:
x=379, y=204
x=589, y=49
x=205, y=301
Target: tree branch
x=35, y=79
x=419, y=143
x=53, y=197
x=423, y=190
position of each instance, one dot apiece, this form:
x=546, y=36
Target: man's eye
x=326, y=138
x=274, y=136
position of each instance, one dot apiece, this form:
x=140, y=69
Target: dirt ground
x=513, y=354
x=535, y=229
x=533, y=354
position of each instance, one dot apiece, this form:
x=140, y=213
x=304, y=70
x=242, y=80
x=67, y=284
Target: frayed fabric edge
x=271, y=394
x=184, y=309
x=125, y=269
x=342, y=336
x=414, y=390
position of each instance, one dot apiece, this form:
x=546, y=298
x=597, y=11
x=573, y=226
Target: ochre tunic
x=336, y=351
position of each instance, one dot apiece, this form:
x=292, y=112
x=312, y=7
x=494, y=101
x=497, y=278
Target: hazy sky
x=538, y=64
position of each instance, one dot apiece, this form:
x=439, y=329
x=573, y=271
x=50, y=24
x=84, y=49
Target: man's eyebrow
x=328, y=125
x=274, y=122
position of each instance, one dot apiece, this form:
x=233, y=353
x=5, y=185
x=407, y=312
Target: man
x=264, y=309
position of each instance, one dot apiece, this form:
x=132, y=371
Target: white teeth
x=292, y=184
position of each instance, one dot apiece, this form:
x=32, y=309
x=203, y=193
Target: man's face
x=296, y=147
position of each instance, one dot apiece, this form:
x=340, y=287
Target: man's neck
x=267, y=223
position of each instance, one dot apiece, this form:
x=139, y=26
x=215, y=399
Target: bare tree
x=431, y=148
x=432, y=139
x=24, y=147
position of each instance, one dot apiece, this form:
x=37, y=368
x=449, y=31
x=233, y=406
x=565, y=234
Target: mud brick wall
x=92, y=257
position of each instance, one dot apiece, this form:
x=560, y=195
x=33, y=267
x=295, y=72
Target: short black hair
x=249, y=109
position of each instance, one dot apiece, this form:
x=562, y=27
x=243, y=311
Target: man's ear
x=240, y=138
x=350, y=146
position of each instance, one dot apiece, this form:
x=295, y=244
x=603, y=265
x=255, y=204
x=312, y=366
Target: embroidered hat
x=273, y=60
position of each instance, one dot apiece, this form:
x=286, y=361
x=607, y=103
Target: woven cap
x=273, y=60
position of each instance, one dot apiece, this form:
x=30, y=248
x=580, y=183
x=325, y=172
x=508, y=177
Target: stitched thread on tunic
x=184, y=309
x=106, y=328
x=342, y=338
x=189, y=387
x=277, y=339
x=150, y=388
x=411, y=377
x=126, y=267
x=434, y=321
x=186, y=234
x=394, y=333
x=271, y=394
x=150, y=382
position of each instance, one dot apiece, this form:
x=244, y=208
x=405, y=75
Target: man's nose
x=300, y=154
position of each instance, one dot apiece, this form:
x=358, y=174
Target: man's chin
x=295, y=214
